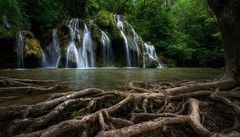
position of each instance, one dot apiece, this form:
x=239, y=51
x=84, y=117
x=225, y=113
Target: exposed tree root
x=13, y=87
x=137, y=109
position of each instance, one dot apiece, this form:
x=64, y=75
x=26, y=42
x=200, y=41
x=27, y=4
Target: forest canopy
x=184, y=32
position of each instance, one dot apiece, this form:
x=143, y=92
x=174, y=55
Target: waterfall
x=87, y=57
x=52, y=54
x=149, y=50
x=135, y=45
x=106, y=49
x=80, y=51
x=120, y=25
x=72, y=57
x=20, y=54
x=81, y=56
x=135, y=41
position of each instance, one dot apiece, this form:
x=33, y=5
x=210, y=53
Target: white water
x=52, y=54
x=72, y=56
x=80, y=51
x=87, y=57
x=135, y=39
x=106, y=49
x=81, y=55
x=135, y=44
x=120, y=25
x=20, y=54
x=149, y=50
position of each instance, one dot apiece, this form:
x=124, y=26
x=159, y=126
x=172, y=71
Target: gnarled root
x=13, y=87
x=140, y=109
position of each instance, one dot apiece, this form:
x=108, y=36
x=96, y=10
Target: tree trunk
x=228, y=16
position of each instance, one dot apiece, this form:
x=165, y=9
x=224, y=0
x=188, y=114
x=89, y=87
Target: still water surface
x=110, y=78
x=104, y=78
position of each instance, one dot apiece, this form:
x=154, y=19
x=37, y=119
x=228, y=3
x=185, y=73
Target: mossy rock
x=63, y=31
x=96, y=33
x=150, y=62
x=104, y=19
x=6, y=32
x=32, y=48
x=140, y=44
x=27, y=34
x=115, y=34
x=153, y=64
x=65, y=45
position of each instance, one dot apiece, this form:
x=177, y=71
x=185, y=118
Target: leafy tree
x=153, y=22
x=43, y=14
x=12, y=14
x=199, y=26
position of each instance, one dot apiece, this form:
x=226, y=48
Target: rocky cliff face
x=107, y=41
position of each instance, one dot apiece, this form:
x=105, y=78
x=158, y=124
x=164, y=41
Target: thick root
x=138, y=109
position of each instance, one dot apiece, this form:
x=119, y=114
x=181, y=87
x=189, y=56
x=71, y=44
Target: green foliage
x=153, y=22
x=184, y=32
x=27, y=34
x=42, y=13
x=6, y=33
x=12, y=13
x=104, y=19
x=198, y=30
x=180, y=52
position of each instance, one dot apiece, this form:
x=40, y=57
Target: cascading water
x=149, y=50
x=106, y=49
x=135, y=40
x=72, y=57
x=80, y=52
x=20, y=51
x=135, y=45
x=120, y=25
x=87, y=56
x=52, y=54
x=81, y=56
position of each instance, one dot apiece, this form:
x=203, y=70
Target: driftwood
x=137, y=109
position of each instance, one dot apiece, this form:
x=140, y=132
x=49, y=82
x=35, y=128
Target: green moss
x=32, y=48
x=96, y=33
x=65, y=44
x=6, y=33
x=115, y=33
x=104, y=19
x=74, y=114
x=63, y=31
x=27, y=34
x=153, y=64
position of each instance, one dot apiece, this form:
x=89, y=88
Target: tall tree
x=228, y=17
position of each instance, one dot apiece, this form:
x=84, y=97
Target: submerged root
x=12, y=87
x=137, y=109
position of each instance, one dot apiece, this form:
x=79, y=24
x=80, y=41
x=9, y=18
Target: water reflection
x=104, y=78
x=110, y=78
